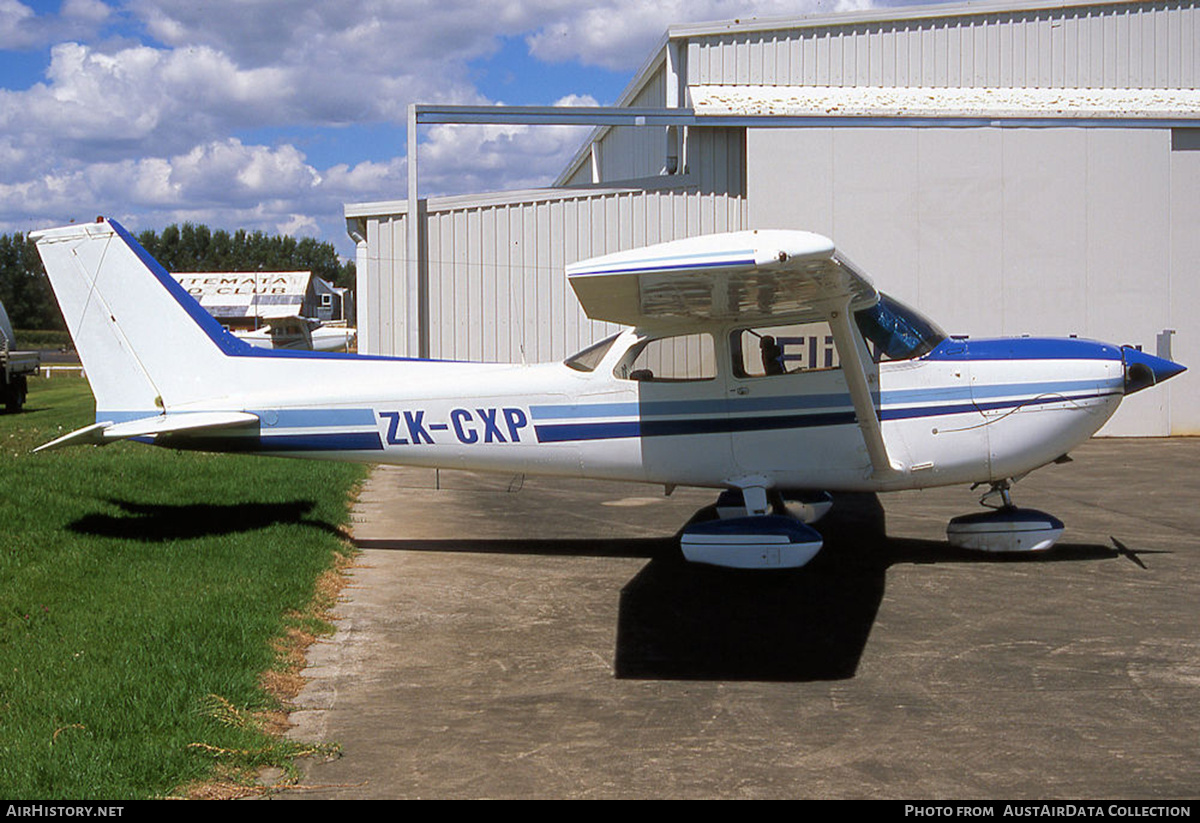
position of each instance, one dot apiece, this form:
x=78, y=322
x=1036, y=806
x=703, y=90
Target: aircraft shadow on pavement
x=154, y=523
x=684, y=621
x=679, y=620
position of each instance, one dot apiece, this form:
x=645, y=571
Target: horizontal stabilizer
x=88, y=435
x=100, y=434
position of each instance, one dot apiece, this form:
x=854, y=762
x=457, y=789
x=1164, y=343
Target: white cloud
x=368, y=180
x=456, y=159
x=16, y=20
x=138, y=109
x=21, y=27
x=619, y=34
x=230, y=171
x=86, y=11
x=211, y=176
x=137, y=101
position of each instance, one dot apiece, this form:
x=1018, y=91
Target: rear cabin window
x=677, y=359
x=589, y=358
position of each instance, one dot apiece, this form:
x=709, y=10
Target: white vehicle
x=762, y=363
x=15, y=367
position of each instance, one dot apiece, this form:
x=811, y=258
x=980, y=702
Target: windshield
x=897, y=332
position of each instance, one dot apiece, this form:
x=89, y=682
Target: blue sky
x=272, y=114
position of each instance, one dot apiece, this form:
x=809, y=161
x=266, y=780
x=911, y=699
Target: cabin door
x=788, y=404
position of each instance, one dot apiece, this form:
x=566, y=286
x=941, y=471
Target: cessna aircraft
x=762, y=363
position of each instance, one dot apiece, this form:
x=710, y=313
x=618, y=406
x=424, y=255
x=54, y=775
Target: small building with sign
x=248, y=300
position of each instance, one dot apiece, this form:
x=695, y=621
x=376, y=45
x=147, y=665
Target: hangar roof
x=879, y=14
x=1018, y=58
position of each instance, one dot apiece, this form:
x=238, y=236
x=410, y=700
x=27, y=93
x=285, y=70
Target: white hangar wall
x=1087, y=230
x=629, y=152
x=492, y=269
x=1010, y=231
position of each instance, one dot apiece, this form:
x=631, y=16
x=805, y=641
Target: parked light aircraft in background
x=304, y=333
x=758, y=362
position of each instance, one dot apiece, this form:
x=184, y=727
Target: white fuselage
x=703, y=392
x=970, y=411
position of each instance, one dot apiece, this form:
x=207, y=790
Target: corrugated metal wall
x=1126, y=45
x=1129, y=45
x=629, y=153
x=495, y=284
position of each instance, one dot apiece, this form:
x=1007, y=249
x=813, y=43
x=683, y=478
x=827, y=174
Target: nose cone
x=1145, y=370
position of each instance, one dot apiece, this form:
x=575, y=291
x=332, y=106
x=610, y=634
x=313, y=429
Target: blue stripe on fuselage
x=354, y=441
x=314, y=418
x=666, y=408
x=565, y=432
x=251, y=442
x=263, y=439
x=939, y=395
x=646, y=426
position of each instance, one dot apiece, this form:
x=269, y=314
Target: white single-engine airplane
x=758, y=362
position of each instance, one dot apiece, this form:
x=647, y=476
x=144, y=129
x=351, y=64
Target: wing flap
x=748, y=276
x=101, y=434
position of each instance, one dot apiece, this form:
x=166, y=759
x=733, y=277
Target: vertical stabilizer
x=146, y=345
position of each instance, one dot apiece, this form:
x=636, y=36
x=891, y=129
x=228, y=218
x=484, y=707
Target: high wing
x=747, y=276
x=751, y=276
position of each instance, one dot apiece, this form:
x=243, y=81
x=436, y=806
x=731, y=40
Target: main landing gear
x=1006, y=528
x=756, y=529
x=760, y=529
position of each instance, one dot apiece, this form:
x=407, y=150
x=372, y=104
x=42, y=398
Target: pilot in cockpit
x=772, y=355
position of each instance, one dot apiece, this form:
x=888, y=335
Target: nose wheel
x=1006, y=528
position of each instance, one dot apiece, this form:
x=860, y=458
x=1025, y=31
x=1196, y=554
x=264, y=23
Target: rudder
x=146, y=344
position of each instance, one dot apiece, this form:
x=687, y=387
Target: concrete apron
x=509, y=638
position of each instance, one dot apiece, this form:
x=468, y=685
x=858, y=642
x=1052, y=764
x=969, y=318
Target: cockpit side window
x=768, y=351
x=897, y=332
x=678, y=359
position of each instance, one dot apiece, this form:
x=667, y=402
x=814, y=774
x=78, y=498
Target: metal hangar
x=1011, y=168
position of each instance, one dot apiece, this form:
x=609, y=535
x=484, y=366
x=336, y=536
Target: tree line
x=26, y=293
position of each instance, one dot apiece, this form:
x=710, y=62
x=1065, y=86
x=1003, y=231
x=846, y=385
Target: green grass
x=34, y=339
x=140, y=592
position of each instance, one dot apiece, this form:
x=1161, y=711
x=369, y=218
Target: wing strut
x=853, y=367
